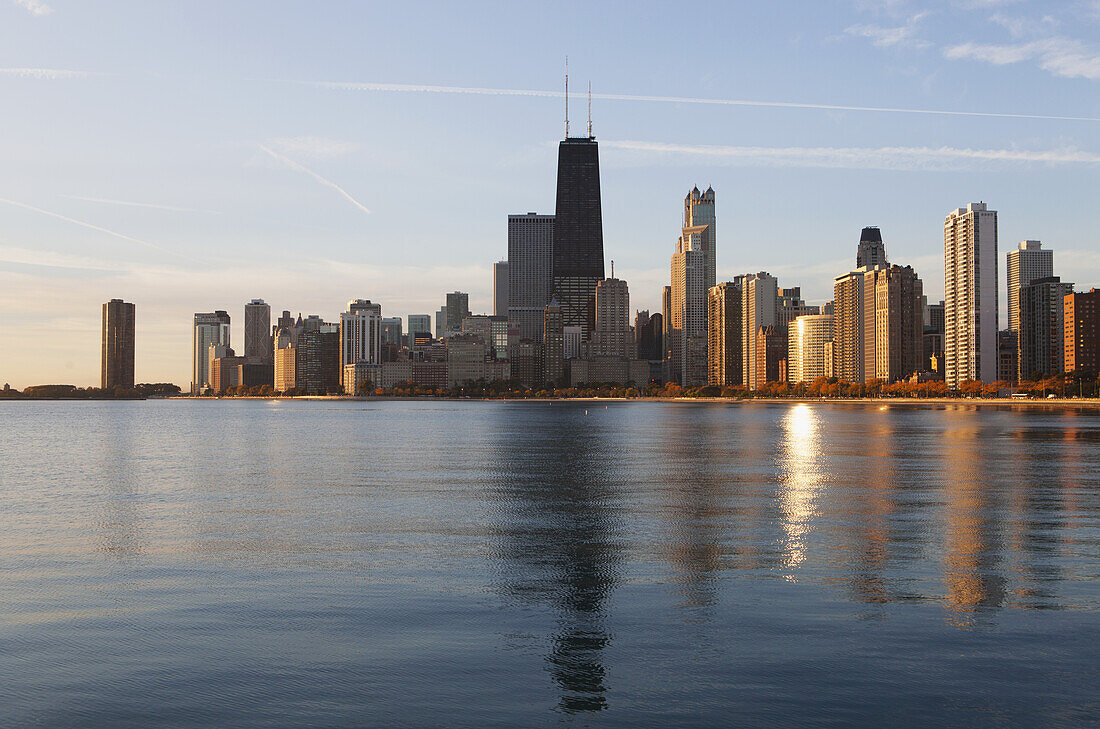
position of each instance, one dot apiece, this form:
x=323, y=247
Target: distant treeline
x=72, y=392
x=1069, y=385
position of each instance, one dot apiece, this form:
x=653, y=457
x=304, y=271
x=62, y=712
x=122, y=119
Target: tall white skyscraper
x=699, y=213
x=1027, y=263
x=209, y=328
x=257, y=332
x=693, y=275
x=500, y=288
x=970, y=294
x=360, y=334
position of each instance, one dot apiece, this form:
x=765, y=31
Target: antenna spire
x=567, y=97
x=589, y=109
x=612, y=268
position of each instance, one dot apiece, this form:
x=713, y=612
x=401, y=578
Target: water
x=474, y=564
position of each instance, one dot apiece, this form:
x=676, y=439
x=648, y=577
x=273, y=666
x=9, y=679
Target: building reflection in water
x=557, y=538
x=803, y=472
x=973, y=580
x=120, y=533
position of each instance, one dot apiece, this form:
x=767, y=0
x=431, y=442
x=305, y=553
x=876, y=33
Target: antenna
x=567, y=97
x=612, y=269
x=589, y=109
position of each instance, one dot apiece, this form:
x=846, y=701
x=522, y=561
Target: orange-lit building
x=1082, y=331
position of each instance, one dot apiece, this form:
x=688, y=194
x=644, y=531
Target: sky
x=192, y=156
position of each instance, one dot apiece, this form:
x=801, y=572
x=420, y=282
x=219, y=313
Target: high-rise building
x=1008, y=356
x=391, y=330
x=666, y=317
x=699, y=218
x=1042, y=334
x=578, y=231
x=1026, y=263
x=441, y=322
x=688, y=329
x=530, y=271
x=970, y=294
x=872, y=251
x=808, y=340
x=572, y=342
x=318, y=363
x=458, y=308
x=257, y=332
x=419, y=324
x=360, y=337
x=209, y=328
x=933, y=334
x=500, y=288
x=117, y=342
x=770, y=352
x=759, y=296
x=612, y=336
x=893, y=323
x=724, y=360
x=648, y=335
x=790, y=306
x=553, y=346
x=848, y=326
x=1081, y=341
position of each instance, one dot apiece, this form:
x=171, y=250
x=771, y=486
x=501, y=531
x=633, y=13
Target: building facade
x=1081, y=341
x=1026, y=263
x=578, y=264
x=500, y=288
x=872, y=251
x=209, y=328
x=1042, y=333
x=808, y=343
x=257, y=332
x=117, y=345
x=530, y=271
x=970, y=294
x=893, y=336
x=553, y=342
x=360, y=334
x=759, y=301
x=612, y=336
x=724, y=361
x=458, y=308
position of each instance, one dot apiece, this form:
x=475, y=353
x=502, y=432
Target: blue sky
x=193, y=155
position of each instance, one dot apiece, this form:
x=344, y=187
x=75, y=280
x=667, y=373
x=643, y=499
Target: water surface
x=471, y=564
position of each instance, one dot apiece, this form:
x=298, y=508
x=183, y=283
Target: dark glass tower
x=578, y=232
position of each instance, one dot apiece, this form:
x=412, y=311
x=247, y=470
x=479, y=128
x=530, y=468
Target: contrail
x=294, y=165
x=74, y=221
x=127, y=203
x=428, y=88
x=903, y=158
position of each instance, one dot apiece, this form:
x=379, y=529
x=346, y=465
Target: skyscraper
x=391, y=330
x=724, y=334
x=360, y=335
x=458, y=308
x=553, y=342
x=612, y=336
x=441, y=322
x=758, y=310
x=257, y=332
x=688, y=329
x=1081, y=341
x=808, y=337
x=419, y=324
x=848, y=326
x=1026, y=263
x=578, y=231
x=970, y=294
x=700, y=219
x=872, y=251
x=117, y=345
x=1041, y=337
x=209, y=328
x=500, y=288
x=893, y=323
x=530, y=271
x=790, y=305
x=648, y=335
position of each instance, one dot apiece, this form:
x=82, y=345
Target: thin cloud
x=300, y=168
x=1064, y=57
x=886, y=37
x=883, y=158
x=127, y=203
x=434, y=89
x=34, y=7
x=316, y=147
x=90, y=226
x=46, y=74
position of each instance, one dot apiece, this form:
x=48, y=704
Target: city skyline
x=283, y=205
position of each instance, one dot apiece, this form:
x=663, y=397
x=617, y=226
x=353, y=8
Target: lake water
x=473, y=564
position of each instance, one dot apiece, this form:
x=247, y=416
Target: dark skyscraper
x=530, y=271
x=872, y=251
x=118, y=344
x=578, y=232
